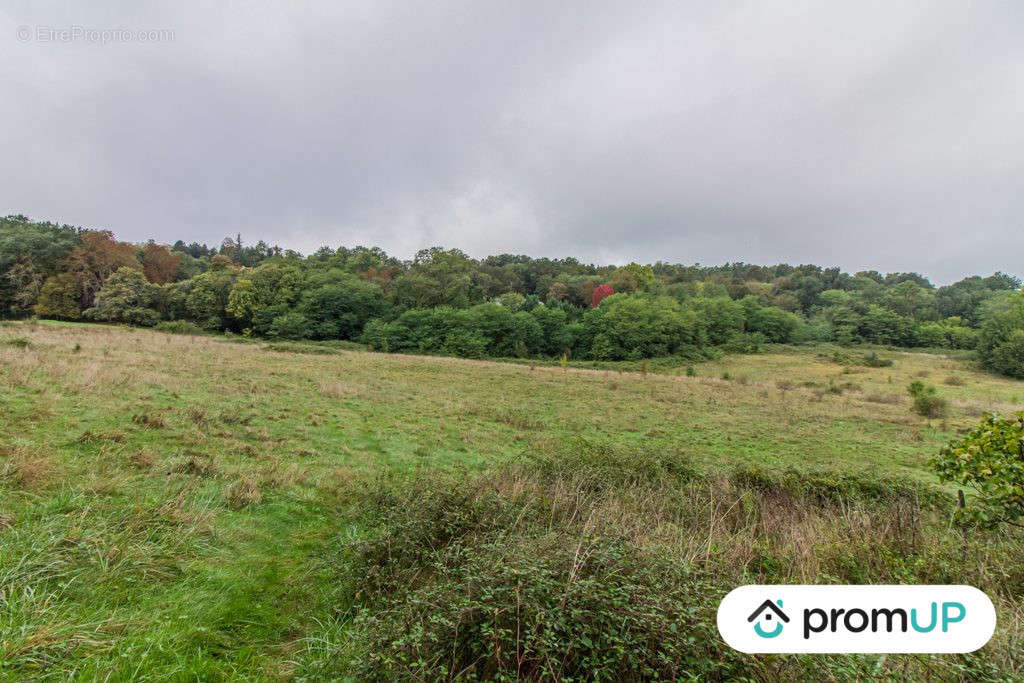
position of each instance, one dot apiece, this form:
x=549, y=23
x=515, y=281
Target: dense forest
x=443, y=301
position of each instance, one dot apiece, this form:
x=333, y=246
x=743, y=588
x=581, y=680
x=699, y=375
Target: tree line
x=443, y=301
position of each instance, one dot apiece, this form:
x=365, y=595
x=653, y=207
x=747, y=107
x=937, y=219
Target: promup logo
x=766, y=612
x=856, y=619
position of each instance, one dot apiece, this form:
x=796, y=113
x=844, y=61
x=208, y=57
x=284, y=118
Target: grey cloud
x=866, y=135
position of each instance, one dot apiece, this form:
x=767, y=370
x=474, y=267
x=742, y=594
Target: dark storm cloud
x=882, y=135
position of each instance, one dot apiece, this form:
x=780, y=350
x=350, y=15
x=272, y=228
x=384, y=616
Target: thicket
x=442, y=301
x=596, y=562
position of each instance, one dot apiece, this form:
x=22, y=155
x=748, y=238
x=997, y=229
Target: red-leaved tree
x=601, y=292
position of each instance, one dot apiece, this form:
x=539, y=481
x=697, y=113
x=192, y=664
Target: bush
x=927, y=402
x=989, y=459
x=289, y=326
x=470, y=577
x=1007, y=357
x=962, y=337
x=607, y=563
x=777, y=326
x=932, y=335
x=719, y=317
x=627, y=327
x=744, y=342
x=556, y=337
x=466, y=343
x=873, y=360
x=493, y=609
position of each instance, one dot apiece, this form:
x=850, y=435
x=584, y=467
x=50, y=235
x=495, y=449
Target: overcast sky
x=884, y=135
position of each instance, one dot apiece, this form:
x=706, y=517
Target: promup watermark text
x=856, y=619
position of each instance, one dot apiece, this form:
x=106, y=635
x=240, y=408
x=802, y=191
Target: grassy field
x=186, y=507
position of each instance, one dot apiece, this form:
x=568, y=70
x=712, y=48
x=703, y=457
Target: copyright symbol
x=24, y=34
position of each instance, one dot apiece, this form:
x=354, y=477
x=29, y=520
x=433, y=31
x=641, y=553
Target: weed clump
x=179, y=327
x=299, y=347
x=598, y=467
x=91, y=437
x=17, y=342
x=194, y=466
x=243, y=493
x=27, y=470
x=143, y=459
x=150, y=420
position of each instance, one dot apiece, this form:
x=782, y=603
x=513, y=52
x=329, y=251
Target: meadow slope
x=177, y=506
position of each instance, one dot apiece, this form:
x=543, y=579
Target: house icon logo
x=764, y=615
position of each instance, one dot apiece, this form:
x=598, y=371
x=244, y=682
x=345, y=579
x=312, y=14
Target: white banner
x=866, y=619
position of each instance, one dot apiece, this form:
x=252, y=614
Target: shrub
x=931, y=335
x=962, y=337
x=470, y=577
x=1007, y=357
x=555, y=332
x=569, y=562
x=494, y=609
x=291, y=325
x=719, y=317
x=466, y=343
x=990, y=460
x=744, y=342
x=777, y=326
x=882, y=326
x=419, y=329
x=927, y=402
x=631, y=327
x=873, y=360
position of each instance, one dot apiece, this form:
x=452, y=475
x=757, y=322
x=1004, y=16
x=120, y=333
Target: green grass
x=127, y=550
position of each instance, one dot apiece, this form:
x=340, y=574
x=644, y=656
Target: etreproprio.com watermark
x=95, y=36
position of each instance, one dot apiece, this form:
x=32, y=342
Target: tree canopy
x=442, y=300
